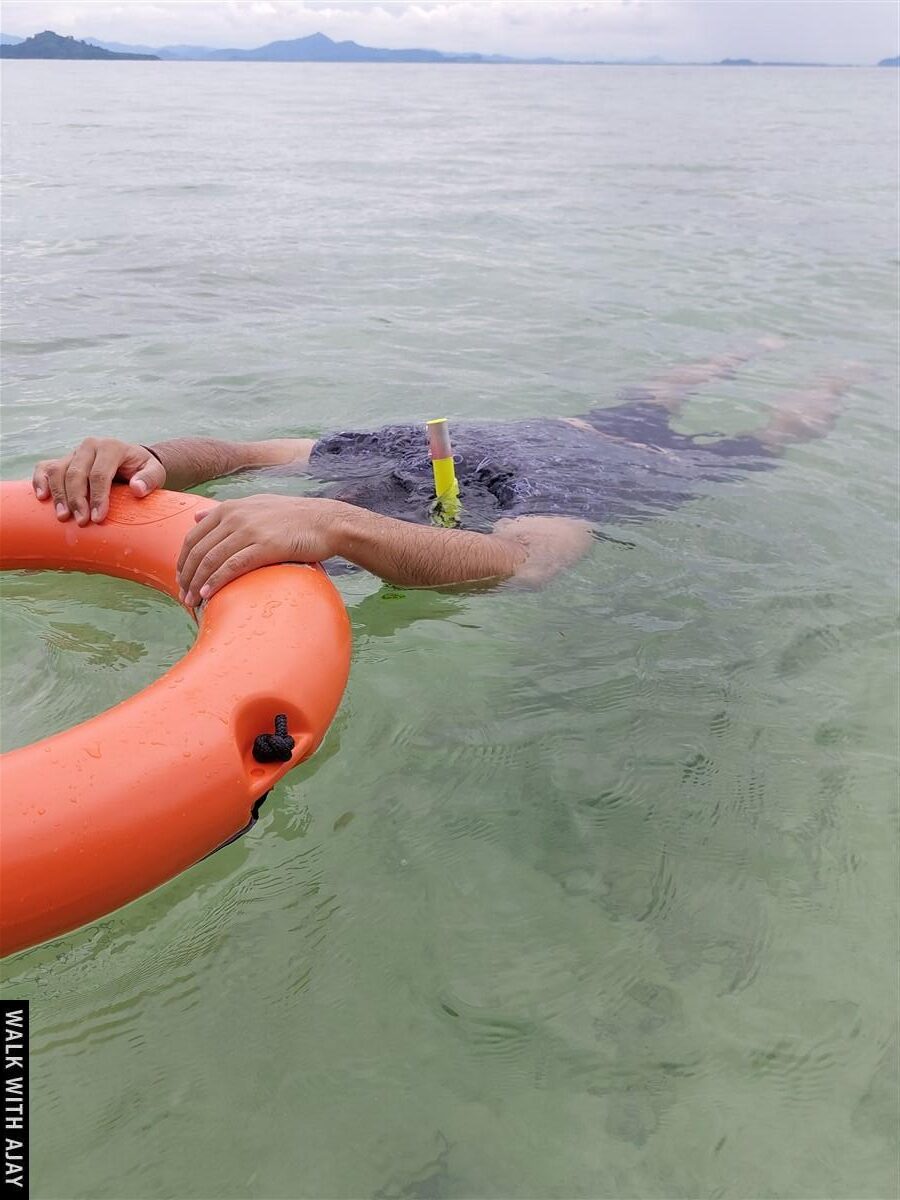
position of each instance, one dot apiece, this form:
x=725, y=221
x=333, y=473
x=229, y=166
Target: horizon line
x=735, y=60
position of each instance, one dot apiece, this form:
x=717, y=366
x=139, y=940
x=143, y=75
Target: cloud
x=686, y=30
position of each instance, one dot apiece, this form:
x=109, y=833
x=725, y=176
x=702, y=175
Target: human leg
x=809, y=412
x=670, y=389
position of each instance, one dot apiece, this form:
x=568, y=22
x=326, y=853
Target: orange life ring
x=103, y=812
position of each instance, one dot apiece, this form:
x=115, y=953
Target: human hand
x=79, y=483
x=238, y=536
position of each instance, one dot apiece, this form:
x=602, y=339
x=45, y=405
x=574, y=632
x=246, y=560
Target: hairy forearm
x=191, y=461
x=238, y=536
x=425, y=556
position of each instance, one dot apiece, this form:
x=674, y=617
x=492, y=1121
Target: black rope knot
x=274, y=747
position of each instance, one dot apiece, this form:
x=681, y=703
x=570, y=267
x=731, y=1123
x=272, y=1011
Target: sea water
x=590, y=892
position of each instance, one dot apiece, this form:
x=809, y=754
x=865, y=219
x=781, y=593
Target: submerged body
x=612, y=465
x=532, y=492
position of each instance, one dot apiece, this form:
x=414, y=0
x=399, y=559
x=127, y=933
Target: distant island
x=318, y=48
x=752, y=62
x=315, y=48
x=51, y=45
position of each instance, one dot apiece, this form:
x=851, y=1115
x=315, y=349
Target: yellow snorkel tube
x=446, y=489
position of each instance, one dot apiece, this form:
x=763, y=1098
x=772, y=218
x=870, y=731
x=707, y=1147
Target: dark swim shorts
x=640, y=420
x=539, y=466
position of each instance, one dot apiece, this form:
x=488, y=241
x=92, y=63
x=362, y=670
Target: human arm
x=79, y=483
x=191, y=461
x=529, y=549
x=240, y=535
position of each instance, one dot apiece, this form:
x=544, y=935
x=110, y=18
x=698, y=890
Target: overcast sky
x=685, y=30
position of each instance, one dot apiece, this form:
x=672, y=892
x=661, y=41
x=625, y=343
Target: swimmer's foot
x=771, y=342
x=808, y=414
x=851, y=373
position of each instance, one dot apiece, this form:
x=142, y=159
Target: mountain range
x=51, y=45
x=317, y=47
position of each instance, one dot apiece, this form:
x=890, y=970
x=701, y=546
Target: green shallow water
x=588, y=893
